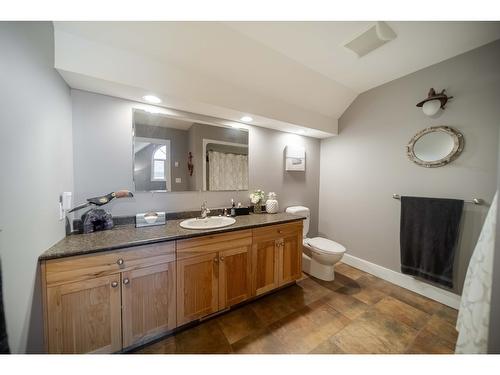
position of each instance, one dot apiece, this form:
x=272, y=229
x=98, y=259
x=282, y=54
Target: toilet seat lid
x=325, y=245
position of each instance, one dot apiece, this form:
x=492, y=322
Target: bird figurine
x=104, y=199
x=98, y=219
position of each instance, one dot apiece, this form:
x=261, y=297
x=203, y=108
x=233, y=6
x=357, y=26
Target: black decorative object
x=96, y=220
x=104, y=199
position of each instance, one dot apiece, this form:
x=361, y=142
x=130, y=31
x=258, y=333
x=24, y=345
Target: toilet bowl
x=319, y=255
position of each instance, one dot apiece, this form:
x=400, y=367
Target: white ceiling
x=319, y=46
x=287, y=75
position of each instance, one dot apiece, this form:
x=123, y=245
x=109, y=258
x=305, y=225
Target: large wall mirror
x=184, y=153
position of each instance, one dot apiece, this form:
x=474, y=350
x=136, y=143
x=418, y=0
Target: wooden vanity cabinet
x=85, y=316
x=213, y=273
x=276, y=256
x=197, y=278
x=106, y=302
x=110, y=301
x=148, y=303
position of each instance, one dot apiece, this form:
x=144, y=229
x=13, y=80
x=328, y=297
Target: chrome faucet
x=204, y=210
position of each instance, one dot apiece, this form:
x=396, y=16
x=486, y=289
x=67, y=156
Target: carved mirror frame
x=458, y=146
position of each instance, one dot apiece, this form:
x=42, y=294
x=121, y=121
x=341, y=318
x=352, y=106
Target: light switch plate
x=178, y=180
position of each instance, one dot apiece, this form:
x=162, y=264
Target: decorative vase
x=257, y=207
x=272, y=206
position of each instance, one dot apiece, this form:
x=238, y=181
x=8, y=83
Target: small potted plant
x=257, y=199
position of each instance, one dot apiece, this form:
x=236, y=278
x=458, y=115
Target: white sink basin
x=210, y=222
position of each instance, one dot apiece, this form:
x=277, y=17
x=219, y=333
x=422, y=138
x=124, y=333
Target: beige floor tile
x=260, y=342
x=239, y=323
x=427, y=343
x=304, y=293
x=403, y=312
x=165, y=346
x=416, y=300
x=204, y=338
x=327, y=347
x=346, y=304
x=351, y=272
x=354, y=339
x=447, y=313
x=269, y=309
x=395, y=334
x=442, y=329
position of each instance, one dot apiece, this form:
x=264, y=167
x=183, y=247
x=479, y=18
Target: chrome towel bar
x=477, y=201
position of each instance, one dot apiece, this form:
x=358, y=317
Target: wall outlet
x=176, y=164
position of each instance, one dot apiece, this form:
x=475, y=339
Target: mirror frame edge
x=458, y=146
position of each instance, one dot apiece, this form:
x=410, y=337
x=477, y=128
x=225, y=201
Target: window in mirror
x=158, y=163
x=151, y=164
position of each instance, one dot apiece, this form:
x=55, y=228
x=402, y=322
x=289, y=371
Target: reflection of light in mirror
x=433, y=146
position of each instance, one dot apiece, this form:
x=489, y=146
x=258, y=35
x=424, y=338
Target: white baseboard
x=404, y=281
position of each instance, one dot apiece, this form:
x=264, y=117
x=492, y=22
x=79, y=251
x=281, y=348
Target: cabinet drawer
x=213, y=243
x=277, y=231
x=71, y=269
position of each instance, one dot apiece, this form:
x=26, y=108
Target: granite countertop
x=128, y=235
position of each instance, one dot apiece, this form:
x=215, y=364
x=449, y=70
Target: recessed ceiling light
x=246, y=119
x=152, y=99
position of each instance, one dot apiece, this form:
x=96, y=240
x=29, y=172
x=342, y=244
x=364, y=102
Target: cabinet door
x=264, y=266
x=234, y=276
x=290, y=258
x=85, y=316
x=148, y=303
x=197, y=283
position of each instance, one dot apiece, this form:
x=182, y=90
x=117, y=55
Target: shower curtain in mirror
x=474, y=314
x=227, y=171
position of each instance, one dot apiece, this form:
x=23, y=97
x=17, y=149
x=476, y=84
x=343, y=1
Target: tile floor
x=356, y=313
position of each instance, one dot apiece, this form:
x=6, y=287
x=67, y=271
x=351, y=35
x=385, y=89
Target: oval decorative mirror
x=435, y=146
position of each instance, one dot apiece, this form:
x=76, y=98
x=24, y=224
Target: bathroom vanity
x=114, y=290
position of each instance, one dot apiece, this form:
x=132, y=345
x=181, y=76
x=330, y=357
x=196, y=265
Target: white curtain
x=227, y=171
x=474, y=314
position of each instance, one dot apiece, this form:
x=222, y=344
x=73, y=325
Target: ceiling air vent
x=371, y=39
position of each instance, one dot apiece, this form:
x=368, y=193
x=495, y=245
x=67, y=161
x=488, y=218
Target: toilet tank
x=301, y=211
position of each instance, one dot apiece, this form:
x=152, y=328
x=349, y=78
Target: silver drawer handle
x=119, y=262
x=114, y=284
x=126, y=281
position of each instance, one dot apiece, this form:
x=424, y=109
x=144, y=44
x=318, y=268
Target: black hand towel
x=4, y=344
x=428, y=236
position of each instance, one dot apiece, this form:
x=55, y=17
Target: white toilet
x=319, y=255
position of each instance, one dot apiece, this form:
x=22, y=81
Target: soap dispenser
x=233, y=208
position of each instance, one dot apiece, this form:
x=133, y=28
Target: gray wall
x=102, y=133
x=363, y=166
x=36, y=139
